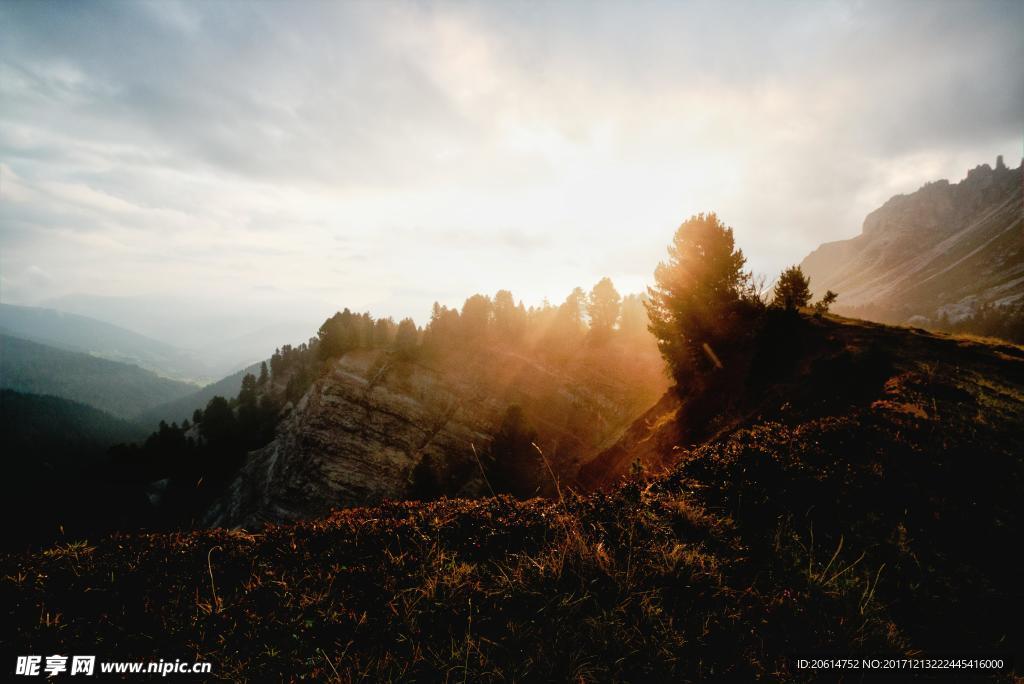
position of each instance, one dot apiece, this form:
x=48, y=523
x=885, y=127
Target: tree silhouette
x=219, y=426
x=247, y=394
x=338, y=335
x=509, y=319
x=570, y=313
x=792, y=290
x=383, y=333
x=515, y=463
x=603, y=307
x=633, y=319
x=697, y=295
x=476, y=317
x=406, y=339
x=827, y=301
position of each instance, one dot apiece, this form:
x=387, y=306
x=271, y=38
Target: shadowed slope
x=856, y=491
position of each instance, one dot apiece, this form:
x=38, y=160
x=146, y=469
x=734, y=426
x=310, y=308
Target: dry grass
x=638, y=585
x=832, y=519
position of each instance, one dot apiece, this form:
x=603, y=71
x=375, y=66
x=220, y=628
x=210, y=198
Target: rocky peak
x=920, y=253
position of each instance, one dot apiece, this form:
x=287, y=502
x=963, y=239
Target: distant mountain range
x=936, y=255
x=120, y=389
x=200, y=364
x=222, y=337
x=73, y=332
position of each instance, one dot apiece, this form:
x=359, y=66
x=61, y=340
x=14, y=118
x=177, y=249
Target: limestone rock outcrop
x=356, y=436
x=942, y=251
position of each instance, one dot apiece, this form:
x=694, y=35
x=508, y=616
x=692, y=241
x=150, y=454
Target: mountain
x=90, y=336
x=224, y=336
x=362, y=430
x=41, y=424
x=840, y=487
x=181, y=409
x=935, y=256
x=117, y=388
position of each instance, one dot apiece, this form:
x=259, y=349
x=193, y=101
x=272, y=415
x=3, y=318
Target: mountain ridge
x=359, y=433
x=88, y=335
x=939, y=254
x=121, y=389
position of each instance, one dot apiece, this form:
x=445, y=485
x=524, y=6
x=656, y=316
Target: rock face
x=351, y=439
x=355, y=437
x=944, y=250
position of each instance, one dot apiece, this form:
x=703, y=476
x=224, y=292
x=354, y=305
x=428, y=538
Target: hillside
x=34, y=424
x=843, y=487
x=117, y=388
x=181, y=409
x=73, y=332
x=896, y=449
x=935, y=256
x=363, y=428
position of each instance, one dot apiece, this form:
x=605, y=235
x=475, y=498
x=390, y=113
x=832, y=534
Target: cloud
x=366, y=153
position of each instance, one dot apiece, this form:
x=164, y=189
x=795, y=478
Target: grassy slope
x=901, y=444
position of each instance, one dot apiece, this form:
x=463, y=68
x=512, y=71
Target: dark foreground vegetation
x=865, y=500
x=812, y=484
x=55, y=481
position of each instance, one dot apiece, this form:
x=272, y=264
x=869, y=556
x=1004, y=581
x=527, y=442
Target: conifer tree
x=792, y=290
x=603, y=307
x=697, y=294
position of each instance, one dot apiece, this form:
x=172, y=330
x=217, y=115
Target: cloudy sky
x=292, y=158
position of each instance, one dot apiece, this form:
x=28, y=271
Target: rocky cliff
x=940, y=252
x=356, y=436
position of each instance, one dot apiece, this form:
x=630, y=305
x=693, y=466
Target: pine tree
x=514, y=462
x=827, y=301
x=406, y=339
x=509, y=320
x=476, y=317
x=247, y=394
x=792, y=290
x=603, y=307
x=633, y=320
x=697, y=295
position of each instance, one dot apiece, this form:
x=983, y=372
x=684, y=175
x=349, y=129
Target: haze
x=164, y=165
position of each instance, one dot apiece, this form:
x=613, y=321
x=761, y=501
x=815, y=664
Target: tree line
x=703, y=303
x=698, y=310
x=197, y=458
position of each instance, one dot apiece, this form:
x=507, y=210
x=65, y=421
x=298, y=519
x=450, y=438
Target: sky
x=267, y=161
